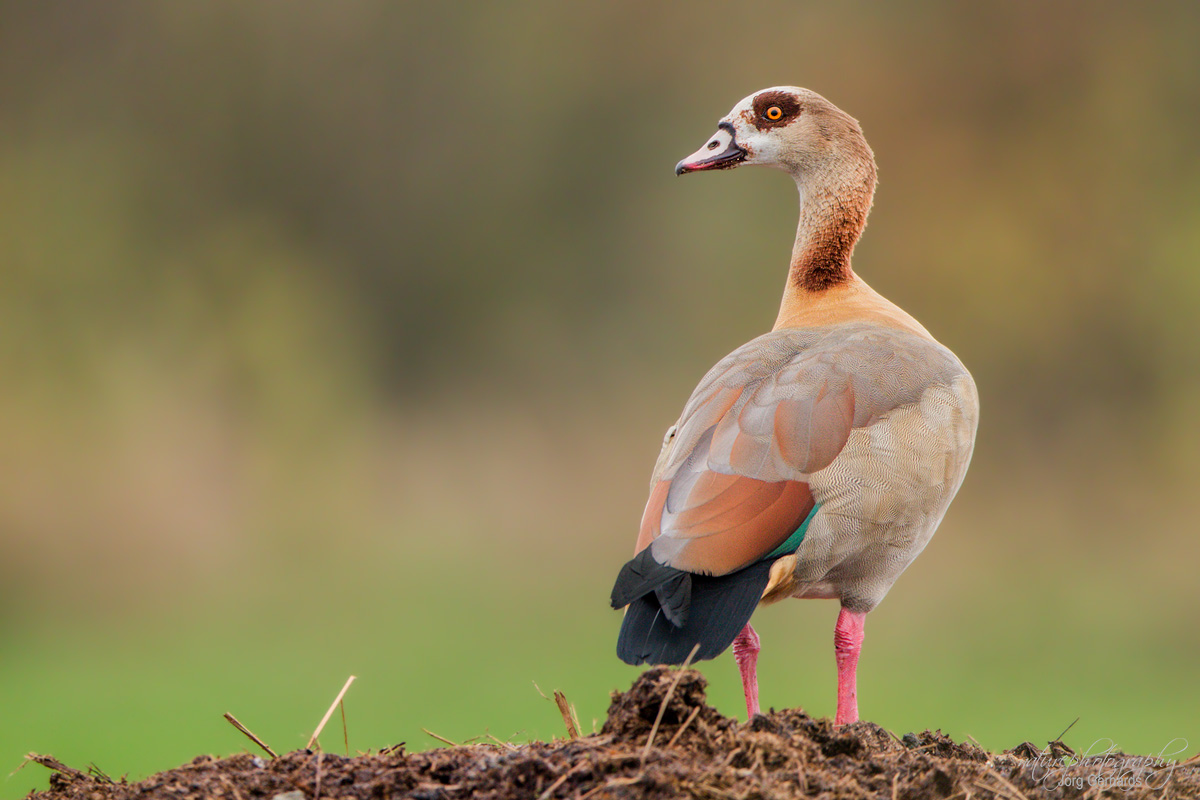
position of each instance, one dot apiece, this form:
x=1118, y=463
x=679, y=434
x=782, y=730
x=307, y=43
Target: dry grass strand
x=234, y=722
x=440, y=738
x=667, y=699
x=345, y=730
x=50, y=762
x=509, y=745
x=336, y=701
x=683, y=727
x=564, y=708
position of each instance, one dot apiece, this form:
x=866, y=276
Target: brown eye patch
x=773, y=109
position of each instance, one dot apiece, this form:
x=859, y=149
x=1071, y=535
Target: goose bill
x=721, y=151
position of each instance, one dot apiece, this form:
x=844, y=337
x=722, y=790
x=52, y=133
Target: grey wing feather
x=782, y=406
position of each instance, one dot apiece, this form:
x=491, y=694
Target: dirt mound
x=696, y=753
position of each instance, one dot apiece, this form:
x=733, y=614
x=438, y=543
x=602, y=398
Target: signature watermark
x=1103, y=765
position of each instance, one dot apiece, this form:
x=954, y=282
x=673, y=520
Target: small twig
x=539, y=690
x=1064, y=733
x=50, y=762
x=895, y=786
x=666, y=699
x=1005, y=783
x=1000, y=790
x=329, y=713
x=611, y=783
x=564, y=708
x=695, y=789
x=683, y=727
x=234, y=722
x=317, y=788
x=502, y=743
x=440, y=738
x=345, y=730
x=976, y=741
x=549, y=791
x=237, y=795
x=562, y=779
x=98, y=773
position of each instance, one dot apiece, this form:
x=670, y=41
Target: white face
x=761, y=144
x=769, y=127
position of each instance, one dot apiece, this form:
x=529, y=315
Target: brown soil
x=697, y=753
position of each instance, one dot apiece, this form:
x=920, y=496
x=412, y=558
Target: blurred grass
x=340, y=339
x=970, y=654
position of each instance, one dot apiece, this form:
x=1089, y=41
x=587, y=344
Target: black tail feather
x=720, y=607
x=643, y=575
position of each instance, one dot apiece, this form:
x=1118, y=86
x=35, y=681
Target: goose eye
x=774, y=113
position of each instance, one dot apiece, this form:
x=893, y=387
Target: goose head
x=789, y=128
x=823, y=149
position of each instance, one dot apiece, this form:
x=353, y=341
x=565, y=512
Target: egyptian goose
x=817, y=460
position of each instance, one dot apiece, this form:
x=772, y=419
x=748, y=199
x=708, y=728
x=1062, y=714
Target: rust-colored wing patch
x=733, y=484
x=725, y=522
x=652, y=516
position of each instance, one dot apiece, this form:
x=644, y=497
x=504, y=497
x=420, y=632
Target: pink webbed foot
x=745, y=652
x=847, y=642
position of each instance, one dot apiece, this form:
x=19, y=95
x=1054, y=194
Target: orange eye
x=774, y=113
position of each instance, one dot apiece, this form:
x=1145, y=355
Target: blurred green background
x=339, y=338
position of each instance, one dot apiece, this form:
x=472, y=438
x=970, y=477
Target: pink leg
x=847, y=642
x=745, y=652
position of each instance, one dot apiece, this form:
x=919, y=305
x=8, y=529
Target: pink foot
x=745, y=652
x=847, y=642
